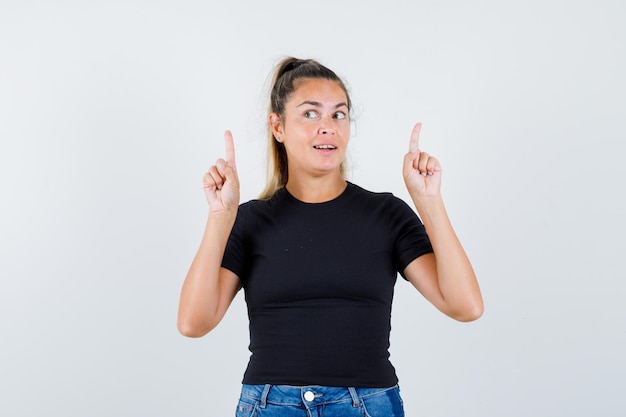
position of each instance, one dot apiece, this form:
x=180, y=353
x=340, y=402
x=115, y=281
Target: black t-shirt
x=318, y=281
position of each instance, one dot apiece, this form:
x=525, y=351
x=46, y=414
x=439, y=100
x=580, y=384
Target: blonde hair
x=287, y=73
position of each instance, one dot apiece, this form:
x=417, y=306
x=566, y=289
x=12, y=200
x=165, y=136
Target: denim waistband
x=310, y=395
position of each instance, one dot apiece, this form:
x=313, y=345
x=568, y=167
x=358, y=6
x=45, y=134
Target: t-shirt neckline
x=324, y=204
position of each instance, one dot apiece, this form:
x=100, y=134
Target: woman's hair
x=288, y=73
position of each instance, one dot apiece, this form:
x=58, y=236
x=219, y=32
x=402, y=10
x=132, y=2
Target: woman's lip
x=325, y=151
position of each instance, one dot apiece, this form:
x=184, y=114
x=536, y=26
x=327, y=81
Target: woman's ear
x=276, y=126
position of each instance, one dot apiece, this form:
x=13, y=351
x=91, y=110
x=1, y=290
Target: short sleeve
x=408, y=234
x=235, y=254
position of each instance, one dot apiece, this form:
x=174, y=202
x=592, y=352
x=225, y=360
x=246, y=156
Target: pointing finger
x=415, y=136
x=230, y=147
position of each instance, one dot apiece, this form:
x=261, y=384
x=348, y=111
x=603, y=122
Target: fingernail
x=413, y=149
x=220, y=165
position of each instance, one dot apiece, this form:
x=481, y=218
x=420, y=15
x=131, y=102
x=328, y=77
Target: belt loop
x=266, y=391
x=355, y=397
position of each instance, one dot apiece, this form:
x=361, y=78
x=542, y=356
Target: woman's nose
x=325, y=128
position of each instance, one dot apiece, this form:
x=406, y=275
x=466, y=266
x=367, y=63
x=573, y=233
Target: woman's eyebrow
x=318, y=104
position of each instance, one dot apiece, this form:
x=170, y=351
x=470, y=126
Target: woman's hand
x=422, y=172
x=209, y=289
x=445, y=277
x=221, y=184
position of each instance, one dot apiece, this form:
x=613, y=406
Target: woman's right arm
x=209, y=289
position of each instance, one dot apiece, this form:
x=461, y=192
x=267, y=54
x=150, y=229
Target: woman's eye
x=340, y=115
x=310, y=114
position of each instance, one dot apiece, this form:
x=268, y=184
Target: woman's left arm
x=445, y=277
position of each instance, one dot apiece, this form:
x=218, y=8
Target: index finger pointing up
x=415, y=138
x=230, y=147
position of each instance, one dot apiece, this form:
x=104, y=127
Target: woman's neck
x=317, y=189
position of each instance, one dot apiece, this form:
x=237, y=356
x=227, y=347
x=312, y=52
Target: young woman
x=318, y=257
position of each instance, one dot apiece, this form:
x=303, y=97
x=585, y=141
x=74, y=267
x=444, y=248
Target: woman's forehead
x=318, y=90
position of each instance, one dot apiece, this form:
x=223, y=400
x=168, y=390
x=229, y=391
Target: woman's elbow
x=469, y=313
x=193, y=330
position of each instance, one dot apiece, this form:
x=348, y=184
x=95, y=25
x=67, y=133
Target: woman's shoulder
x=385, y=199
x=367, y=194
x=265, y=203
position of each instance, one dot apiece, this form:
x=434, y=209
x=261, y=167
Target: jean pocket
x=385, y=404
x=245, y=409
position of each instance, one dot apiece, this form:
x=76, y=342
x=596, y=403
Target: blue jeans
x=318, y=401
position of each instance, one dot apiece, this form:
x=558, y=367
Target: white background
x=110, y=112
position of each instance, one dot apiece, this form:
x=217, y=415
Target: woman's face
x=315, y=128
